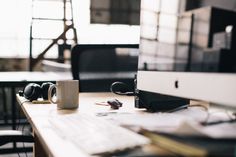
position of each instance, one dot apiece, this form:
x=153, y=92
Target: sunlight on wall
x=14, y=29
x=16, y=19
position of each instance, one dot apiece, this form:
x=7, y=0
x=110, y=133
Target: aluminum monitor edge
x=211, y=87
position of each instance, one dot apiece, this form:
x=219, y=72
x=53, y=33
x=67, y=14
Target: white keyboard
x=95, y=135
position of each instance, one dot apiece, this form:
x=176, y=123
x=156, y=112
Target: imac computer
x=187, y=55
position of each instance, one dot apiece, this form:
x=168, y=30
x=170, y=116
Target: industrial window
x=16, y=18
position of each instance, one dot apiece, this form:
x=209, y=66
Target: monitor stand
x=155, y=102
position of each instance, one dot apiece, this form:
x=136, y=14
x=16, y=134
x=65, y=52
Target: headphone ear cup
x=32, y=91
x=44, y=88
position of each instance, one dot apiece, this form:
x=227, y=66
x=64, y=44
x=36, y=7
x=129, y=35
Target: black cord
x=121, y=88
x=18, y=119
x=126, y=93
x=218, y=122
x=18, y=124
x=178, y=108
x=18, y=116
x=234, y=114
x=23, y=128
x=231, y=120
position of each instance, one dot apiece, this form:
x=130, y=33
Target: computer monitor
x=177, y=56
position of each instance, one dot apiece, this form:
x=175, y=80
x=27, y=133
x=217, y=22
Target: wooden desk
x=20, y=79
x=47, y=142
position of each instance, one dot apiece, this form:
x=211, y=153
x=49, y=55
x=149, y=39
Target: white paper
x=184, y=122
x=224, y=130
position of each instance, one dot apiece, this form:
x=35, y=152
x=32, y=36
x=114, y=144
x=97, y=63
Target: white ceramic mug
x=66, y=94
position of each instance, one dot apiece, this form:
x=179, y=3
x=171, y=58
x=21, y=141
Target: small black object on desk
x=115, y=104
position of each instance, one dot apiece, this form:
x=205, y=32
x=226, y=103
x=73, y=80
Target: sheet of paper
x=184, y=122
x=224, y=130
x=155, y=121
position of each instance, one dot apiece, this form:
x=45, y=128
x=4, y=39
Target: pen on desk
x=218, y=122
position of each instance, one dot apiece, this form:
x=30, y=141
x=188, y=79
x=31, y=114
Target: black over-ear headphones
x=33, y=91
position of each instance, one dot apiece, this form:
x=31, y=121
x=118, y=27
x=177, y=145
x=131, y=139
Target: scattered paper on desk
x=184, y=122
x=224, y=130
x=150, y=121
x=167, y=122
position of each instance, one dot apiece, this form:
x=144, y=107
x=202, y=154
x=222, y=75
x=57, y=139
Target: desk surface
x=38, y=114
x=54, y=145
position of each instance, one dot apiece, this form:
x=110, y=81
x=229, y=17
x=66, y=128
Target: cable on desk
x=199, y=105
x=178, y=108
x=232, y=115
x=230, y=120
x=219, y=122
x=186, y=106
x=121, y=88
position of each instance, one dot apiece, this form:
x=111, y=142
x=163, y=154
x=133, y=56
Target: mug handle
x=50, y=93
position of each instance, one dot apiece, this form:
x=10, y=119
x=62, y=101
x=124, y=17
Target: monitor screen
x=186, y=54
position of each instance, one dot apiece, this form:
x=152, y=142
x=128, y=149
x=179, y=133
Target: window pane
x=40, y=45
x=48, y=9
x=15, y=19
x=47, y=29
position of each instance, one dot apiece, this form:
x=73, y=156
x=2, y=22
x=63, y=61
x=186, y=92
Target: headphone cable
x=120, y=84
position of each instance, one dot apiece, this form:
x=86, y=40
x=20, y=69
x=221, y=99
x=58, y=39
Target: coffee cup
x=66, y=94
